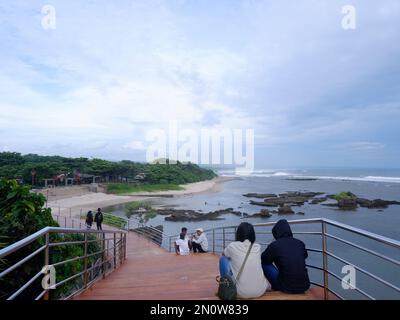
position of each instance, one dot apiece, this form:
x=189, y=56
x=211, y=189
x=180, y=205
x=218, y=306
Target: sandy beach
x=77, y=199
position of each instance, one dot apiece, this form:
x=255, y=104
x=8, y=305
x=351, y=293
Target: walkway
x=151, y=273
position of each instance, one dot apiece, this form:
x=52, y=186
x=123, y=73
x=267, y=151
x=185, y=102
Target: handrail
x=112, y=255
x=34, y=236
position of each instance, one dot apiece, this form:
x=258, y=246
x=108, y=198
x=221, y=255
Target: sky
x=315, y=93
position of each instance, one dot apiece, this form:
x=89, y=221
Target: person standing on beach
x=199, y=241
x=98, y=218
x=284, y=261
x=89, y=220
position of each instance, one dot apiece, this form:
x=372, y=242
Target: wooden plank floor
x=151, y=273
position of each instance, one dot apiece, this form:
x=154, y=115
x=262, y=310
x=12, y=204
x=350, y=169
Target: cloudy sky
x=314, y=93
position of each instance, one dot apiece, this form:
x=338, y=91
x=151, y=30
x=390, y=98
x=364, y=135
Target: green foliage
x=125, y=188
x=134, y=208
x=344, y=195
x=17, y=166
x=114, y=221
x=147, y=216
x=22, y=214
x=21, y=211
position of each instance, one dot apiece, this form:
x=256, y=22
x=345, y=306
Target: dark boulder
x=265, y=213
x=379, y=203
x=347, y=204
x=262, y=203
x=260, y=195
x=285, y=210
x=318, y=200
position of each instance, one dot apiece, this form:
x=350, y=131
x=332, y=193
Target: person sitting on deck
x=289, y=274
x=89, y=220
x=252, y=282
x=199, y=241
x=187, y=238
x=182, y=245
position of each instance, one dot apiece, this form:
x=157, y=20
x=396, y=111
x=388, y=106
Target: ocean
x=365, y=183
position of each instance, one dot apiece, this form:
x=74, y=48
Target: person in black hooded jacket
x=289, y=274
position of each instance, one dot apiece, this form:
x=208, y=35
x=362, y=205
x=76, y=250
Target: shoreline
x=72, y=198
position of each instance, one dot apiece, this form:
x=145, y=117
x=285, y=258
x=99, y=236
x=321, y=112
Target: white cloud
x=110, y=71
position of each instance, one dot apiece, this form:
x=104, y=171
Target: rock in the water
x=365, y=203
x=318, y=200
x=265, y=213
x=191, y=215
x=301, y=213
x=260, y=195
x=285, y=210
x=379, y=203
x=347, y=204
x=262, y=203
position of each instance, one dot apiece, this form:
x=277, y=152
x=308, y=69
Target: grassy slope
x=123, y=188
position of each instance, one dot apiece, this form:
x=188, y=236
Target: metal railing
x=142, y=229
x=329, y=247
x=111, y=253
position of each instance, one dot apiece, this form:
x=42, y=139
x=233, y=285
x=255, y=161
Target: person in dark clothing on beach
x=98, y=218
x=89, y=220
x=289, y=274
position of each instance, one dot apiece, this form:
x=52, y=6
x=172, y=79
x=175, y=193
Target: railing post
x=213, y=240
x=169, y=245
x=103, y=255
x=125, y=246
x=325, y=261
x=115, y=250
x=120, y=247
x=85, y=275
x=223, y=237
x=70, y=213
x=46, y=263
x=65, y=222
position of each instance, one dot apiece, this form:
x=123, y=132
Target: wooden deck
x=151, y=273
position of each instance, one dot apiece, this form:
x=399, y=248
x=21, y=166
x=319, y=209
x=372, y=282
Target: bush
x=344, y=196
x=22, y=214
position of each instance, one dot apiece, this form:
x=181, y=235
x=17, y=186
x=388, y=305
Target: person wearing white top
x=199, y=241
x=187, y=238
x=182, y=246
x=252, y=282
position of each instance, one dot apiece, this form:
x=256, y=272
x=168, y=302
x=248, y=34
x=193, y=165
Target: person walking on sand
x=199, y=241
x=89, y=220
x=182, y=245
x=98, y=218
x=248, y=274
x=284, y=261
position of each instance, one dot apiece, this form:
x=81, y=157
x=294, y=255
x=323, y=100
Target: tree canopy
x=16, y=166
